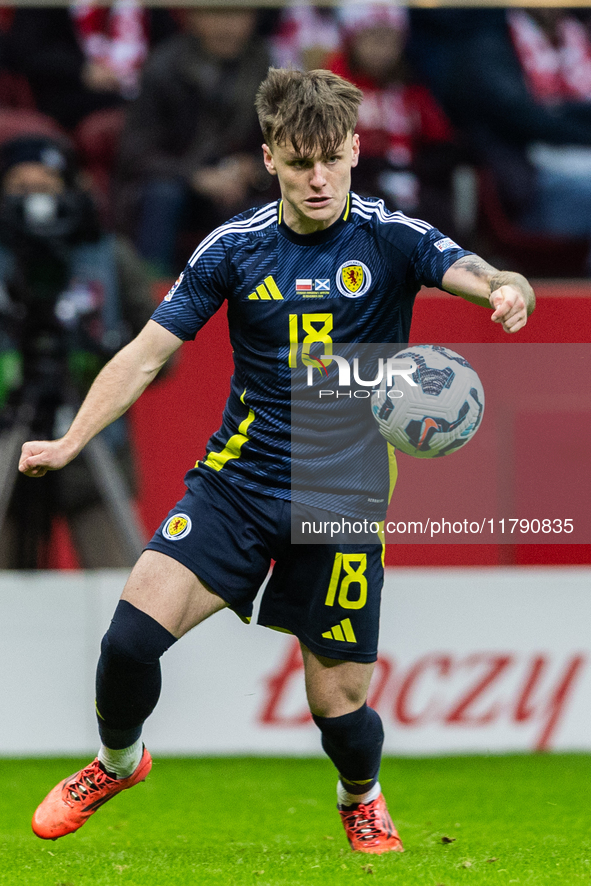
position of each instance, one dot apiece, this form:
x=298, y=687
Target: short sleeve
x=195, y=297
x=433, y=255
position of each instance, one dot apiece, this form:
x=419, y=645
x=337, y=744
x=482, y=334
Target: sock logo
x=177, y=527
x=343, y=631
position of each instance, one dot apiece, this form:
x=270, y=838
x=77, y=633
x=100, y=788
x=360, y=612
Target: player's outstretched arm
x=508, y=294
x=113, y=391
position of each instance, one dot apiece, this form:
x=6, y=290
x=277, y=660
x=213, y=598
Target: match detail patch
x=177, y=527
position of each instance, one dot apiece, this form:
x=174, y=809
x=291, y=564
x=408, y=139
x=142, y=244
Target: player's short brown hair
x=312, y=109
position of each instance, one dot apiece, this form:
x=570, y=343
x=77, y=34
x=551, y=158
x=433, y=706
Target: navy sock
x=354, y=744
x=128, y=678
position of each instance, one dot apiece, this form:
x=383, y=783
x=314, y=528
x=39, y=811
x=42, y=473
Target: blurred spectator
x=190, y=151
x=84, y=58
x=407, y=148
x=70, y=296
x=115, y=44
x=517, y=84
x=305, y=35
x=554, y=52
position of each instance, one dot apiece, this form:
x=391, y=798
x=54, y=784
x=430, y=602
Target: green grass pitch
x=272, y=822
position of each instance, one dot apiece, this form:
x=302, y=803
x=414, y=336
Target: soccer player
x=215, y=547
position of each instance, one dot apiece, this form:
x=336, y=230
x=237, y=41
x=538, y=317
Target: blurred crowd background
x=477, y=120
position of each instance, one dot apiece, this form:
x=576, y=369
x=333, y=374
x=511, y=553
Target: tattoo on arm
x=476, y=266
x=495, y=278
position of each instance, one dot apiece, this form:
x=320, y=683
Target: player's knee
x=136, y=635
x=328, y=702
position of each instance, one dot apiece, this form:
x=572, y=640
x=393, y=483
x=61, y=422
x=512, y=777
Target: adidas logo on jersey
x=266, y=291
x=343, y=631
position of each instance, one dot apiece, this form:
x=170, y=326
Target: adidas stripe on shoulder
x=368, y=208
x=261, y=219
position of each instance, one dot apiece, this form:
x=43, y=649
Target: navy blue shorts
x=328, y=595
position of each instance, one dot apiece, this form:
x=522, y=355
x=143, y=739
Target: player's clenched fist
x=39, y=457
x=510, y=308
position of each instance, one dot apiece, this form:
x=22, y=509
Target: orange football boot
x=369, y=828
x=71, y=803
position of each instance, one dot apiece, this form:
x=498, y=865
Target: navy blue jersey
x=290, y=296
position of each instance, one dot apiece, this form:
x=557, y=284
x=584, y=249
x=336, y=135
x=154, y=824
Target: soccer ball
x=438, y=415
